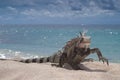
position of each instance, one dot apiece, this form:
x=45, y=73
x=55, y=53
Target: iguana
x=73, y=53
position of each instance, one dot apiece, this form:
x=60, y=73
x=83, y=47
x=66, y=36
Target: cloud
x=12, y=9
x=62, y=8
x=5, y=18
x=47, y=13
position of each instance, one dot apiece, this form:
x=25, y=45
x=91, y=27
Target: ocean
x=27, y=41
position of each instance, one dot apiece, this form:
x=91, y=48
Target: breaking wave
x=10, y=54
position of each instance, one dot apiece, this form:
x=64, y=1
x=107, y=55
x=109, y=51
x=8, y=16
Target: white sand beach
x=11, y=70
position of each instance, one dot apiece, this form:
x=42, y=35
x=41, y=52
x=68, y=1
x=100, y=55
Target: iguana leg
x=99, y=54
x=88, y=60
x=62, y=59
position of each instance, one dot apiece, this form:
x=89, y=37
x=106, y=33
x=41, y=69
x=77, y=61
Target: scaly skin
x=73, y=54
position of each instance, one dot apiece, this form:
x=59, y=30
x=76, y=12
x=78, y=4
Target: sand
x=12, y=70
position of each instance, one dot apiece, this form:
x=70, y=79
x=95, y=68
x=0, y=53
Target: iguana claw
x=104, y=60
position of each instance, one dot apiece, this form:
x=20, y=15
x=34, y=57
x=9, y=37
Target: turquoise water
x=44, y=40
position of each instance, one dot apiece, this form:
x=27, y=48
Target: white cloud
x=64, y=8
x=30, y=12
x=38, y=13
x=85, y=12
x=12, y=9
x=5, y=18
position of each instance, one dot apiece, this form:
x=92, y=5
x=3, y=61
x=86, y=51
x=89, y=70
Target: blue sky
x=59, y=11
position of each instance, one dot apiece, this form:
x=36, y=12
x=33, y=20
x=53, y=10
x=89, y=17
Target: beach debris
x=73, y=53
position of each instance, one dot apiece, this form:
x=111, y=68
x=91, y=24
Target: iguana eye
x=81, y=40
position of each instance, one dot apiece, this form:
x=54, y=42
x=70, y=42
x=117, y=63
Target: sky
x=59, y=11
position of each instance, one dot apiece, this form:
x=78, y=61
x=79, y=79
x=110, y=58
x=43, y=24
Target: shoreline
x=12, y=70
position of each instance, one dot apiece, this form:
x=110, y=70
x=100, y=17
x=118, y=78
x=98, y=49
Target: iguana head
x=84, y=40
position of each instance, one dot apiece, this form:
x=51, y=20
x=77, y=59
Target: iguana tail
x=36, y=60
x=55, y=58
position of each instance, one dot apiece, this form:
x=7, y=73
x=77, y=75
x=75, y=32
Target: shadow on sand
x=83, y=67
